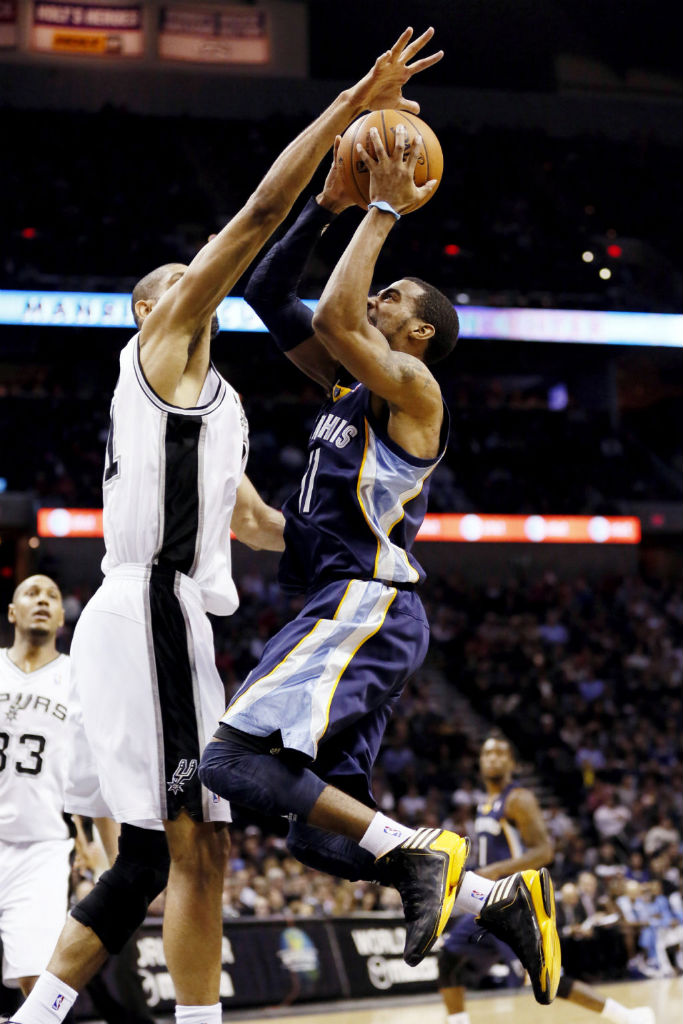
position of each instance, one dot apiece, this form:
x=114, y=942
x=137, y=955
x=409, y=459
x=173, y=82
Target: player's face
x=392, y=311
x=36, y=609
x=495, y=760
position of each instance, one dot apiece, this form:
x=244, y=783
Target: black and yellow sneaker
x=427, y=869
x=520, y=910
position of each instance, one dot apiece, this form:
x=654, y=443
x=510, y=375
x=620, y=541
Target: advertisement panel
x=90, y=29
x=437, y=526
x=8, y=24
x=270, y=962
x=214, y=35
x=474, y=527
x=103, y=309
x=264, y=963
x=371, y=950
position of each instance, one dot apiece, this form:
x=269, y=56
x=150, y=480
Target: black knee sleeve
x=564, y=989
x=242, y=769
x=117, y=905
x=453, y=970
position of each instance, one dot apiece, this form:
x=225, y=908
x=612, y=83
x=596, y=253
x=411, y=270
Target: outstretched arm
x=273, y=289
x=169, y=328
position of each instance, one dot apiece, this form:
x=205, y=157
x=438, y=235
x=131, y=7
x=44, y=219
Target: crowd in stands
x=514, y=213
x=589, y=466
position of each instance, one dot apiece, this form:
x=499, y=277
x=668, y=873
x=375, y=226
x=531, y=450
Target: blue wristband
x=385, y=207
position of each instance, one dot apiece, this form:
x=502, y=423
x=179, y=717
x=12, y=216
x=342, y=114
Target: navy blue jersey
x=361, y=501
x=496, y=838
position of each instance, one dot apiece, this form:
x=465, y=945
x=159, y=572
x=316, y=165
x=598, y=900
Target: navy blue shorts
x=328, y=681
x=480, y=948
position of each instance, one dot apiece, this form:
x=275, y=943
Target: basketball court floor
x=665, y=996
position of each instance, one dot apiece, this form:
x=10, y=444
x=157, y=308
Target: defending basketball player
x=37, y=711
x=510, y=835
x=143, y=648
x=301, y=735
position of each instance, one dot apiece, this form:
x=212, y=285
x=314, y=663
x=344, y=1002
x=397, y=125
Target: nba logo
x=58, y=1002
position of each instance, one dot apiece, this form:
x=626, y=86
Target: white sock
x=458, y=1018
x=383, y=834
x=615, y=1012
x=48, y=1002
x=473, y=892
x=199, y=1014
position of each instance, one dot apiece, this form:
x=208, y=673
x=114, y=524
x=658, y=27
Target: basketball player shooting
x=301, y=735
x=143, y=649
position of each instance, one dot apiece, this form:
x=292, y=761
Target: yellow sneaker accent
x=427, y=869
x=458, y=848
x=542, y=895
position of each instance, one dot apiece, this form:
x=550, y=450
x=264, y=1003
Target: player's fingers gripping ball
x=353, y=167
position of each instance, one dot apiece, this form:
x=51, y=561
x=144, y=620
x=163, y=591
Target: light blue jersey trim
x=295, y=696
x=386, y=483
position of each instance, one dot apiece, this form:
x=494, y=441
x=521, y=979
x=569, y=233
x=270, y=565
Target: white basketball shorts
x=34, y=879
x=143, y=664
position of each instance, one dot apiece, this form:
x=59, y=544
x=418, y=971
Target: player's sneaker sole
x=520, y=911
x=427, y=869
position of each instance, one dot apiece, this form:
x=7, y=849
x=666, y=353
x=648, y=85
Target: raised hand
x=382, y=87
x=334, y=196
x=392, y=178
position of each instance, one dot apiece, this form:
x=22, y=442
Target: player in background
x=510, y=835
x=143, y=648
x=301, y=735
x=35, y=739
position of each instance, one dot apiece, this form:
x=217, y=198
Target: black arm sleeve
x=272, y=288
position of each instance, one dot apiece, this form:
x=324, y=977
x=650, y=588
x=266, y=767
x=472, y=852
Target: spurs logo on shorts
x=182, y=774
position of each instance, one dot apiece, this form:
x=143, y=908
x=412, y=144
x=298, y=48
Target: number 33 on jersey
x=34, y=736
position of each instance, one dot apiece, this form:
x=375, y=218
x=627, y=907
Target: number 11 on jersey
x=306, y=492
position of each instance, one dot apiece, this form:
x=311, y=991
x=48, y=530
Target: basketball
x=356, y=175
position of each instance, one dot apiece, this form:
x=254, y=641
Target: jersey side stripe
x=176, y=695
x=304, y=681
x=512, y=836
x=181, y=491
x=149, y=633
x=311, y=645
x=374, y=623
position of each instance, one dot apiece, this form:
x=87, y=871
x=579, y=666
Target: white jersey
x=171, y=479
x=34, y=747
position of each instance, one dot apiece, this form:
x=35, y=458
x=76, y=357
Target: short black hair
x=436, y=309
x=499, y=737
x=148, y=287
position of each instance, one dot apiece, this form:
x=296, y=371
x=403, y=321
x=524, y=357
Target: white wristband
x=385, y=207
